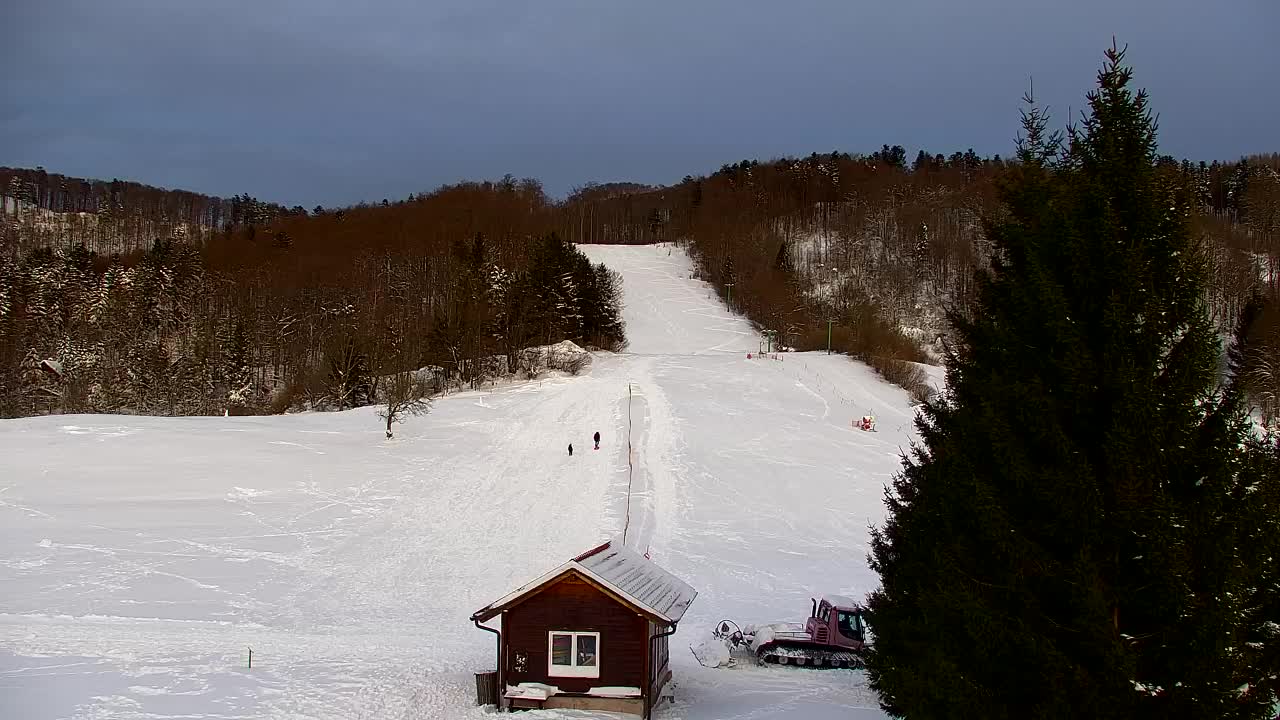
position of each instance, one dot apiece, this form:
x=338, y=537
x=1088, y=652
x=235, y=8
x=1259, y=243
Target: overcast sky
x=334, y=102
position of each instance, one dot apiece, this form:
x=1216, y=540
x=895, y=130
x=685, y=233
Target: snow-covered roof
x=841, y=601
x=659, y=590
x=630, y=576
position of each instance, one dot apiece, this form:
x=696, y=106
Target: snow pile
x=564, y=356
x=531, y=691
x=614, y=691
x=759, y=635
x=712, y=652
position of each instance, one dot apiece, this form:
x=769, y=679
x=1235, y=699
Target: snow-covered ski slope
x=141, y=558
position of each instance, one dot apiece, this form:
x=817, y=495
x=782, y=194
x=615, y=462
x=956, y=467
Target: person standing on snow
x=597, y=439
x=570, y=449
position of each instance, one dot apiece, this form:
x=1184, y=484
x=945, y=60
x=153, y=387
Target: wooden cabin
x=590, y=634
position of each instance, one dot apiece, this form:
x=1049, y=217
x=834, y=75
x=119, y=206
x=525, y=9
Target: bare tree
x=408, y=393
x=1264, y=376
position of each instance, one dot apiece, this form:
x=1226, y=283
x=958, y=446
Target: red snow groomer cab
x=833, y=636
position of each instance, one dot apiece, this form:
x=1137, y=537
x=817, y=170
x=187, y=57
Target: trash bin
x=487, y=688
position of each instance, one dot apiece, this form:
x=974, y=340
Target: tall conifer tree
x=1083, y=531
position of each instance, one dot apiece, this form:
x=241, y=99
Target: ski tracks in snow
x=655, y=469
x=667, y=312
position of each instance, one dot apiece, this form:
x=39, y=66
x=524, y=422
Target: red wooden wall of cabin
x=573, y=605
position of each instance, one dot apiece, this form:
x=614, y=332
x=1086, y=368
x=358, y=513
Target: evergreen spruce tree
x=236, y=372
x=590, y=302
x=1083, y=531
x=546, y=304
x=611, y=326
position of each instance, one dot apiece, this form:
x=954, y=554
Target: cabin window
x=573, y=654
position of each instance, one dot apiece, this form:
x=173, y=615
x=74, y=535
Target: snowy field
x=141, y=558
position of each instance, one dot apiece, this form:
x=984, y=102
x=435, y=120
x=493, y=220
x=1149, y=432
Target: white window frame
x=574, y=670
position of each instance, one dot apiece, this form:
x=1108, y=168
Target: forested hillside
x=876, y=248
x=302, y=311
x=107, y=304
x=38, y=208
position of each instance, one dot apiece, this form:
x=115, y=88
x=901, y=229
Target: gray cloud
x=318, y=101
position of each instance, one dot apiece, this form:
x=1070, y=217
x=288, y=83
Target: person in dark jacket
x=597, y=441
x=570, y=449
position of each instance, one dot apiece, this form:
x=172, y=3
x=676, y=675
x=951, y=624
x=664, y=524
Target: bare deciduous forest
x=119, y=297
